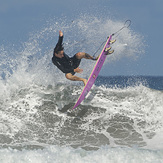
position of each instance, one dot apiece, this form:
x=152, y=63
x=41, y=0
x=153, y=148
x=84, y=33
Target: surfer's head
x=59, y=52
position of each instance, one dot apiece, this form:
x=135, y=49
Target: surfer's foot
x=85, y=82
x=87, y=56
x=95, y=58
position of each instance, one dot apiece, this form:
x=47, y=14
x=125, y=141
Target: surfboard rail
x=94, y=73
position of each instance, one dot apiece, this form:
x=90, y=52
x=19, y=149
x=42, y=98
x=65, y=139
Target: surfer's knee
x=80, y=55
x=69, y=76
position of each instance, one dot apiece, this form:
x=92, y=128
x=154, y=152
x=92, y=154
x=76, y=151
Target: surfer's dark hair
x=58, y=49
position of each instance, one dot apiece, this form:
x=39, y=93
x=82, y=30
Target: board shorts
x=75, y=63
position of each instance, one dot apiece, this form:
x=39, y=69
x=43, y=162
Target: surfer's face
x=59, y=54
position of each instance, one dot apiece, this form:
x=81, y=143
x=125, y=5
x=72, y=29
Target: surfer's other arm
x=78, y=70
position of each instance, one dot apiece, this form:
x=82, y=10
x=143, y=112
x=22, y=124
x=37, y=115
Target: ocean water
x=119, y=121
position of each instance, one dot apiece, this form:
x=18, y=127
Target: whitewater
x=119, y=121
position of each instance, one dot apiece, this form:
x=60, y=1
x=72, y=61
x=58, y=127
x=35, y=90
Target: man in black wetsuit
x=68, y=65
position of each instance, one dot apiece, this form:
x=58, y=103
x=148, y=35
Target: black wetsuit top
x=65, y=64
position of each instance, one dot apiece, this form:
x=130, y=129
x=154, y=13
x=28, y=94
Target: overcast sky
x=20, y=17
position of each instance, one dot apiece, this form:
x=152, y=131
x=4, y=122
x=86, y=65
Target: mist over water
x=114, y=114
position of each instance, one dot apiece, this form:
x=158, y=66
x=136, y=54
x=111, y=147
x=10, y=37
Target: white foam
x=156, y=142
x=55, y=154
x=139, y=103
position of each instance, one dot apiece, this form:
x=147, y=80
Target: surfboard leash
x=126, y=25
x=98, y=48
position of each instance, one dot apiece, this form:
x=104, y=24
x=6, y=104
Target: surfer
x=69, y=65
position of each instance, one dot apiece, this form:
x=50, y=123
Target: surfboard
x=94, y=73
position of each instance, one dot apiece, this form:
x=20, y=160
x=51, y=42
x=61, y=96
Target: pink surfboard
x=94, y=73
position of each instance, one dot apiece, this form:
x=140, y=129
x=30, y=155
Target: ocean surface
x=121, y=120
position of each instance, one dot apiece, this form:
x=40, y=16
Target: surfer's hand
x=60, y=33
x=78, y=70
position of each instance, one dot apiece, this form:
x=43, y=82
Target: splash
x=31, y=63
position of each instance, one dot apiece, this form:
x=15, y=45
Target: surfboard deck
x=95, y=72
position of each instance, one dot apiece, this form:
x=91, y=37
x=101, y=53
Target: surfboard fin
x=110, y=52
x=112, y=41
x=107, y=49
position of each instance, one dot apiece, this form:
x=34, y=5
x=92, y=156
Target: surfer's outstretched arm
x=59, y=45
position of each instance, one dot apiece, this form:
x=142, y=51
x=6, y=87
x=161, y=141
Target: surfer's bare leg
x=75, y=78
x=81, y=55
